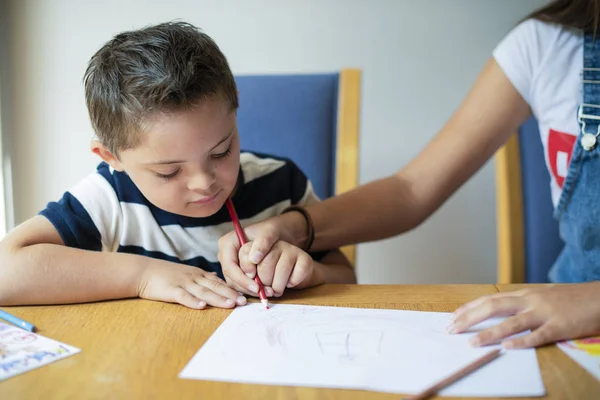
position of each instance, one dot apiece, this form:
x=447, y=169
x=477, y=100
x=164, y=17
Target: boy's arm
x=333, y=268
x=36, y=268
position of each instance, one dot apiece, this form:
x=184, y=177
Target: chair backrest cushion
x=292, y=116
x=542, y=240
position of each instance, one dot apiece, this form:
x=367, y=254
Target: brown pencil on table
x=461, y=373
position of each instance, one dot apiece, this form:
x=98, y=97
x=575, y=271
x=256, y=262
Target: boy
x=162, y=101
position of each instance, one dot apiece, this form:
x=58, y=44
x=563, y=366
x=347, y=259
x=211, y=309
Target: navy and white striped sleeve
x=88, y=215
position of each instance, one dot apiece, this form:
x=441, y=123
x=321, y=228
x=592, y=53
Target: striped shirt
x=107, y=212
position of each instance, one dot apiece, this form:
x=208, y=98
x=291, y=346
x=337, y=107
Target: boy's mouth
x=207, y=200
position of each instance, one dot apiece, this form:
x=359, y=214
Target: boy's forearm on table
x=332, y=273
x=54, y=274
x=333, y=268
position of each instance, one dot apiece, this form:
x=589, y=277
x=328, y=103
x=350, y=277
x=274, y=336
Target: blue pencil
x=17, y=321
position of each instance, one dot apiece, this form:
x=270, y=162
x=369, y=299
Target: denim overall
x=578, y=210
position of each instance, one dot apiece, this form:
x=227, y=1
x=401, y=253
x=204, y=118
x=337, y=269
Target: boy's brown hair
x=161, y=68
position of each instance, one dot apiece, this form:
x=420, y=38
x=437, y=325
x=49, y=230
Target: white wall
x=419, y=59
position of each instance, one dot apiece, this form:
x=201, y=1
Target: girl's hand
x=552, y=314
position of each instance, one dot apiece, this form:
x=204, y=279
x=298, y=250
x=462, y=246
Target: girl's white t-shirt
x=544, y=62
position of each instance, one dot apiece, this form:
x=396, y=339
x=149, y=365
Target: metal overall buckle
x=588, y=140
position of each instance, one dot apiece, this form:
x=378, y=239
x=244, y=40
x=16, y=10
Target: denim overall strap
x=578, y=210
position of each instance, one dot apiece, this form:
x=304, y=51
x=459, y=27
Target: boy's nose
x=201, y=180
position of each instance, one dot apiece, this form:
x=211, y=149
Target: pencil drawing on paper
x=348, y=346
x=311, y=333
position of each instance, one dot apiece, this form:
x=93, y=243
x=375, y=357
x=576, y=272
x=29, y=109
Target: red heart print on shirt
x=560, y=148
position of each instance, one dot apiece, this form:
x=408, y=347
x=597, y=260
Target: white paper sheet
x=381, y=350
x=586, y=352
x=22, y=351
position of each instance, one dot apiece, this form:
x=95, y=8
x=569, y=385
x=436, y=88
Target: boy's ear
x=101, y=151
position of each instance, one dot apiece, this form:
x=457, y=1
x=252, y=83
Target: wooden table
x=134, y=349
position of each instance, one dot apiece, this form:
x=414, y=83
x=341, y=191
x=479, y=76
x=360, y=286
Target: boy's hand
x=263, y=236
x=552, y=313
x=189, y=286
x=285, y=266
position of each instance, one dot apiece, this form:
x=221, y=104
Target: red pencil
x=242, y=238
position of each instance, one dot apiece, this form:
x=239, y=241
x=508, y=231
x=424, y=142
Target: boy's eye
x=168, y=176
x=222, y=155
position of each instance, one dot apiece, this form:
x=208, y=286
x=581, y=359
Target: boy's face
x=187, y=162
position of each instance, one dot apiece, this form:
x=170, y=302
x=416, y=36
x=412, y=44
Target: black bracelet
x=311, y=229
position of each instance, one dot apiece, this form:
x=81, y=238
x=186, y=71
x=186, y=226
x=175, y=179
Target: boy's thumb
x=261, y=247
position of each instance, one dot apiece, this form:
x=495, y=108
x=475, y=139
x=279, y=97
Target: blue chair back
x=292, y=116
x=542, y=240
